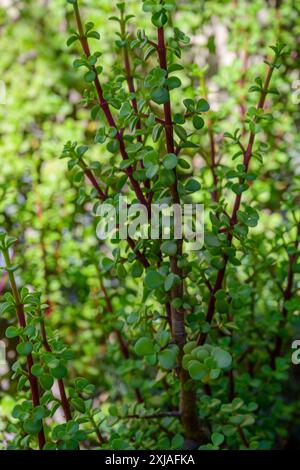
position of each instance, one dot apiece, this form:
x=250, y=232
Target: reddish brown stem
x=3, y=282
x=129, y=77
x=233, y=219
x=103, y=197
x=64, y=400
x=188, y=401
x=243, y=437
x=35, y=394
x=62, y=392
x=91, y=177
x=131, y=88
x=157, y=119
x=106, y=110
x=39, y=212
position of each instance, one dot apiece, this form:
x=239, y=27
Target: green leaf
x=59, y=372
x=95, y=111
x=248, y=420
x=81, y=150
x=113, y=146
x=37, y=370
x=169, y=247
x=150, y=158
x=239, y=188
x=40, y=412
x=188, y=347
x=144, y=347
x=202, y=106
x=163, y=337
x=214, y=373
x=167, y=357
x=134, y=148
x=159, y=19
x=46, y=381
x=184, y=164
x=177, y=442
x=192, y=186
x=152, y=171
x=71, y=40
x=222, y=358
x=107, y=264
x=174, y=68
x=150, y=6
x=12, y=332
x=169, y=281
x=197, y=370
x=90, y=76
x=296, y=268
x=156, y=132
x=189, y=104
x=198, y=122
x=81, y=383
x=166, y=177
x=32, y=426
x=249, y=217
x=160, y=95
x=5, y=307
x=78, y=404
x=170, y=161
x=153, y=279
x=179, y=118
x=121, y=271
x=217, y=438
x=181, y=132
x=126, y=110
x=29, y=330
x=24, y=349
x=173, y=82
x=218, y=262
x=212, y=240
x=22, y=383
x=94, y=35
x=149, y=51
x=137, y=269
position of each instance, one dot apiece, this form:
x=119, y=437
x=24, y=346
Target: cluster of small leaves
x=206, y=362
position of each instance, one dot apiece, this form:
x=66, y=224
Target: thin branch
x=243, y=437
x=62, y=392
x=236, y=207
x=188, y=401
x=96, y=429
x=107, y=112
x=35, y=394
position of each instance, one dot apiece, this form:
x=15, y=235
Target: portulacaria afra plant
x=192, y=346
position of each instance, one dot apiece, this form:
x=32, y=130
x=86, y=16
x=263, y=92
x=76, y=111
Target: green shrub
x=143, y=343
